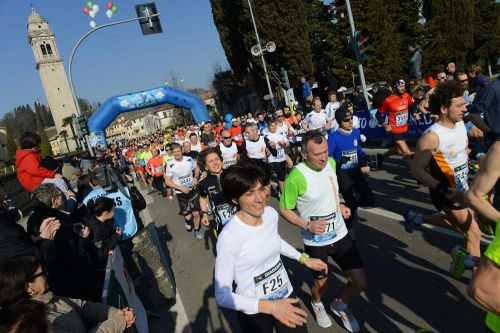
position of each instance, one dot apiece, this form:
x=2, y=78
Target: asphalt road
x=409, y=284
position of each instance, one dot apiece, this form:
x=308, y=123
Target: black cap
x=341, y=113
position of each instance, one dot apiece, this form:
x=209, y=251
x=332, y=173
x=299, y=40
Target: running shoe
x=380, y=160
x=188, y=226
x=321, y=316
x=412, y=220
x=198, y=234
x=342, y=310
x=457, y=267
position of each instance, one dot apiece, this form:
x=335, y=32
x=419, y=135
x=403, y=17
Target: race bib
x=329, y=232
x=461, y=174
x=280, y=153
x=159, y=170
x=401, y=118
x=273, y=283
x=228, y=162
x=225, y=213
x=186, y=181
x=349, y=159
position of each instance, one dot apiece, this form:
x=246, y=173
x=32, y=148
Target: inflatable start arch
x=114, y=106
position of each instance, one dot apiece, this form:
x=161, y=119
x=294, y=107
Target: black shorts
x=355, y=188
x=344, y=252
x=280, y=169
x=441, y=203
x=188, y=202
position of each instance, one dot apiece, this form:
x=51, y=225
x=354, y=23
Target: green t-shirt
x=493, y=253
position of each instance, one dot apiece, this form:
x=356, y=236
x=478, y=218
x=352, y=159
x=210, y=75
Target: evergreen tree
x=486, y=32
x=281, y=21
x=385, y=61
x=449, y=32
x=11, y=145
x=45, y=147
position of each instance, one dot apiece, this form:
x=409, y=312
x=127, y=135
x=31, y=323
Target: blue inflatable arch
x=114, y=106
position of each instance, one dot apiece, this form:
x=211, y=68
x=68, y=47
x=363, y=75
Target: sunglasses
x=347, y=119
x=442, y=78
x=226, y=137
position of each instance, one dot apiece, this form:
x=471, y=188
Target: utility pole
x=360, y=65
x=261, y=53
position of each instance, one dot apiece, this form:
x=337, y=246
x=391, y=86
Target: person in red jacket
x=397, y=108
x=30, y=173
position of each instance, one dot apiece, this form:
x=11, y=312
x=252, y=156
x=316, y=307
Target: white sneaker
x=321, y=316
x=342, y=310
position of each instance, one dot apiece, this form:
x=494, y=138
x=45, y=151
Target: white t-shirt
x=251, y=257
x=181, y=172
x=278, y=139
x=256, y=149
x=316, y=120
x=229, y=154
x=196, y=147
x=330, y=110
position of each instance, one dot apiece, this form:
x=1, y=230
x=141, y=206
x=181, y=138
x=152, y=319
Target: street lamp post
x=75, y=48
x=261, y=53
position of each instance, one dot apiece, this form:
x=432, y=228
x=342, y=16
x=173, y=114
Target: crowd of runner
x=224, y=177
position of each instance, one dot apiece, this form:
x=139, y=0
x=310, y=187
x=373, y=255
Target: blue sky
x=113, y=61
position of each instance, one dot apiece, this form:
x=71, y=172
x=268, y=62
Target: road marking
x=397, y=217
x=182, y=324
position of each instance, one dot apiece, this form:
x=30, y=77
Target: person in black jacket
x=67, y=256
x=103, y=234
x=15, y=241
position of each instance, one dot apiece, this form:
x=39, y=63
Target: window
x=49, y=49
x=44, y=50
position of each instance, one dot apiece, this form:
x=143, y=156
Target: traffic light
x=150, y=24
x=358, y=45
x=82, y=125
x=284, y=78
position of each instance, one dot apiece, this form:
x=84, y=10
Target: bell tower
x=50, y=67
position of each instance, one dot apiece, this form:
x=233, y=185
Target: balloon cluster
x=91, y=9
x=112, y=8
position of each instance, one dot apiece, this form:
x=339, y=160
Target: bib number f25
x=273, y=283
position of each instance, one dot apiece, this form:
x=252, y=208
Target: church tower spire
x=50, y=67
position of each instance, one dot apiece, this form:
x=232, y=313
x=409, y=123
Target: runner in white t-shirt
x=249, y=252
x=317, y=119
x=182, y=175
x=228, y=149
x=330, y=109
x=278, y=142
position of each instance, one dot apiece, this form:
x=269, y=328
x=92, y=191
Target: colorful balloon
x=114, y=8
x=109, y=13
x=95, y=8
x=92, y=24
x=92, y=14
x=109, y=5
x=90, y=4
x=86, y=10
